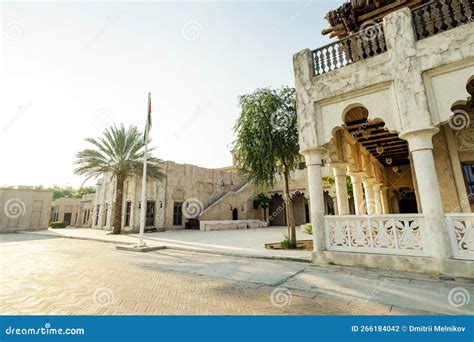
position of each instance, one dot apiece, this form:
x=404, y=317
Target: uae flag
x=148, y=120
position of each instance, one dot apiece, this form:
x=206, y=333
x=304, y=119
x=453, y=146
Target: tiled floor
x=45, y=275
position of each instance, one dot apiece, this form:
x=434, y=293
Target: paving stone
x=77, y=277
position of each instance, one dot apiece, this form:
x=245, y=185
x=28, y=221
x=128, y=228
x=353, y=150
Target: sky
x=70, y=69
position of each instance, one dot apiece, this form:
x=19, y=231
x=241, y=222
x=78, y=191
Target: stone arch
x=379, y=100
x=277, y=211
x=355, y=111
x=372, y=134
x=300, y=208
x=454, y=145
x=407, y=203
x=462, y=110
x=329, y=204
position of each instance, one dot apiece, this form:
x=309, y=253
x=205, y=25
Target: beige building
x=66, y=210
x=85, y=211
x=24, y=209
x=173, y=202
x=77, y=212
x=187, y=196
x=390, y=105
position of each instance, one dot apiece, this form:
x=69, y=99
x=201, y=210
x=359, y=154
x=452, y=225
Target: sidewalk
x=247, y=243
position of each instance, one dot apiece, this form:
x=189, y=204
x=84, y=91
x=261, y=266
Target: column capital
x=420, y=138
x=368, y=180
x=313, y=155
x=339, y=168
x=356, y=176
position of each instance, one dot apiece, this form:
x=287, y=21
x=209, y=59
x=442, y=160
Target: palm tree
x=120, y=152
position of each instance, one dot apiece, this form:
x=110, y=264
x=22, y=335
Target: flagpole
x=143, y=199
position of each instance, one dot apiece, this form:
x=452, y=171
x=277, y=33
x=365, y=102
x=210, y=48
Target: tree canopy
x=267, y=134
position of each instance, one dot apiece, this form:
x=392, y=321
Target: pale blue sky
x=70, y=69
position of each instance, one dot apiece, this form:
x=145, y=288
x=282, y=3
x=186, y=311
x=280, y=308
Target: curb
x=76, y=238
x=250, y=256
x=177, y=248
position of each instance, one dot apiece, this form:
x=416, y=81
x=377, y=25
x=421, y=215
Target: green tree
x=68, y=191
x=119, y=151
x=267, y=141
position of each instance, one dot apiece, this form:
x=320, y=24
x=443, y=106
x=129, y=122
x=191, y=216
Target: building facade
x=66, y=210
x=391, y=107
x=187, y=195
x=24, y=209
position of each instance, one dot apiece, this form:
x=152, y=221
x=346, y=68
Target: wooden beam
x=377, y=139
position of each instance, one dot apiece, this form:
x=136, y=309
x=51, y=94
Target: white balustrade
x=381, y=234
x=461, y=234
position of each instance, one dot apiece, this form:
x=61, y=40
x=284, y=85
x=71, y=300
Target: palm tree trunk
x=289, y=208
x=118, y=205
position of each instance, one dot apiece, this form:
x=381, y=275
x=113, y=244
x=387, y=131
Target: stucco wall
x=411, y=86
x=190, y=182
x=67, y=205
x=449, y=195
x=23, y=209
x=392, y=86
x=242, y=200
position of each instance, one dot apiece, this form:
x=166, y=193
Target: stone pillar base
x=427, y=265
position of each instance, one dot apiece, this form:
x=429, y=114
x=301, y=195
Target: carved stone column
x=340, y=173
x=385, y=200
x=369, y=195
x=313, y=159
x=421, y=148
x=356, y=180
x=377, y=198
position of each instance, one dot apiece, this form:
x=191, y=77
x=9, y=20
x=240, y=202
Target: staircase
x=222, y=195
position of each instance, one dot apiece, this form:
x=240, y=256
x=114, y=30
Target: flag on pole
x=148, y=120
x=143, y=202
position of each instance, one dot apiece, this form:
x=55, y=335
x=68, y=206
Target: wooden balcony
x=364, y=44
x=441, y=15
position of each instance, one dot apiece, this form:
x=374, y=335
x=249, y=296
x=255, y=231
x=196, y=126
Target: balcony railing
x=461, y=233
x=359, y=46
x=441, y=15
x=380, y=234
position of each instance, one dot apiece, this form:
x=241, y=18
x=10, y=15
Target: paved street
x=237, y=242
x=47, y=275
